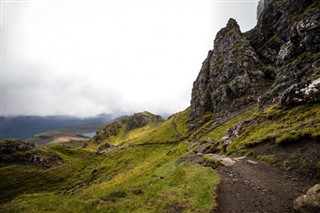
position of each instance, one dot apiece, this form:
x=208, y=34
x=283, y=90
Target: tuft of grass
x=211, y=160
x=272, y=159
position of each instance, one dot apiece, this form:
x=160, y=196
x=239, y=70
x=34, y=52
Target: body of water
x=89, y=134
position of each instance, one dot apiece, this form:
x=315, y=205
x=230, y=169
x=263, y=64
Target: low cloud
x=90, y=57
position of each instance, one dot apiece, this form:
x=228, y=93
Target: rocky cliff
x=277, y=62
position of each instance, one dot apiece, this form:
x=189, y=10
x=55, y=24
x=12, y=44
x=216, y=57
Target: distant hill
x=25, y=127
x=249, y=142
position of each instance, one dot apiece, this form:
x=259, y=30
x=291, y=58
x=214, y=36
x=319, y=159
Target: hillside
x=249, y=142
x=25, y=127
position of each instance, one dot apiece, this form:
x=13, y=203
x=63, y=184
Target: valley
x=248, y=142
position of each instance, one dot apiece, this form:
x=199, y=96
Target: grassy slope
x=284, y=126
x=221, y=130
x=142, y=174
x=132, y=179
x=170, y=131
x=140, y=177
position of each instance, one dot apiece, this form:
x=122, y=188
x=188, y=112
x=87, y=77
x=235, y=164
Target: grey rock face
x=277, y=62
x=201, y=93
x=300, y=93
x=230, y=75
x=260, y=8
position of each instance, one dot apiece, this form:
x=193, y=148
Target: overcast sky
x=85, y=57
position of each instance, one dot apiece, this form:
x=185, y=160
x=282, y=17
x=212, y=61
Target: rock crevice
x=274, y=63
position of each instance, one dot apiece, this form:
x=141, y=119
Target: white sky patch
x=88, y=57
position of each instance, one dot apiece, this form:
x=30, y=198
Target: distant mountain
x=25, y=127
x=253, y=129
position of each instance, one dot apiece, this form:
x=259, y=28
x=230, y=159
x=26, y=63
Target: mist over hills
x=249, y=142
x=25, y=127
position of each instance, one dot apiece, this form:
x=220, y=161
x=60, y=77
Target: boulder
x=310, y=202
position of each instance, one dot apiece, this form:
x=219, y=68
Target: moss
x=310, y=9
x=219, y=62
x=272, y=159
x=240, y=57
x=316, y=70
x=275, y=39
x=236, y=46
x=305, y=58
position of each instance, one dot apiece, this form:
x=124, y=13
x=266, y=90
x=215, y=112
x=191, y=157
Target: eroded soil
x=248, y=185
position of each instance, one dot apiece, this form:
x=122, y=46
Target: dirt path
x=174, y=125
x=254, y=186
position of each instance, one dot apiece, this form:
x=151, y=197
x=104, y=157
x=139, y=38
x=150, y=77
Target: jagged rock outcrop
x=278, y=62
x=201, y=101
x=18, y=151
x=230, y=75
x=126, y=124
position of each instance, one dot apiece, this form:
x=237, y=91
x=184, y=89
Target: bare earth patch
x=256, y=186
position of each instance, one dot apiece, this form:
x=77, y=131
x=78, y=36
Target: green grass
x=49, y=202
x=154, y=133
x=17, y=179
x=181, y=119
x=272, y=159
x=211, y=160
x=284, y=126
x=141, y=173
x=217, y=133
x=134, y=179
